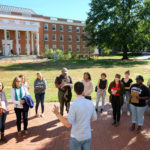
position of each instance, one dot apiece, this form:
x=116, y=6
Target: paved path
x=49, y=134
x=145, y=57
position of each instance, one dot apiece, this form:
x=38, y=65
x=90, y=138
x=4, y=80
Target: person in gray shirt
x=39, y=90
x=81, y=113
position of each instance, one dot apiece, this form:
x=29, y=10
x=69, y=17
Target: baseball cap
x=65, y=70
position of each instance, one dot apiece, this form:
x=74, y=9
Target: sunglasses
x=18, y=81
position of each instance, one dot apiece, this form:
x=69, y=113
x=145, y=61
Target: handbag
x=96, y=89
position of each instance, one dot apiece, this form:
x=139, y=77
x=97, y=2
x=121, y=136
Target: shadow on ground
x=71, y=64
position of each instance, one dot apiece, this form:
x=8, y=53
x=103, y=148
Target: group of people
x=22, y=101
x=136, y=97
x=122, y=92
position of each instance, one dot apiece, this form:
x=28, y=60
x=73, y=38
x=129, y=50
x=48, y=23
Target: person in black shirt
x=148, y=84
x=64, y=84
x=101, y=91
x=127, y=82
x=139, y=93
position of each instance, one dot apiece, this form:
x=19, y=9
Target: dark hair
x=118, y=76
x=89, y=76
x=14, y=82
x=2, y=85
x=127, y=72
x=79, y=88
x=139, y=77
x=20, y=76
x=104, y=74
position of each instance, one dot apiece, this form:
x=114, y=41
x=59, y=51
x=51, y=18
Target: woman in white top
x=88, y=85
x=23, y=82
x=17, y=94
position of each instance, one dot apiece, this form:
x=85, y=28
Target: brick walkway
x=48, y=134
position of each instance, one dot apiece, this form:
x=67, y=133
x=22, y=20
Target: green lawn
x=76, y=68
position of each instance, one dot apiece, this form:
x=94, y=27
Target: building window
x=8, y=35
x=45, y=37
x=83, y=30
x=54, y=27
x=54, y=47
x=45, y=26
x=77, y=29
x=78, y=48
x=61, y=28
x=54, y=37
x=70, y=48
x=83, y=39
x=46, y=46
x=26, y=35
x=83, y=48
x=61, y=38
x=19, y=35
x=78, y=38
x=70, y=29
x=35, y=36
x=70, y=38
x=62, y=47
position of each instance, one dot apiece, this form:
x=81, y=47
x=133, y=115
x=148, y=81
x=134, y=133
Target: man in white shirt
x=81, y=113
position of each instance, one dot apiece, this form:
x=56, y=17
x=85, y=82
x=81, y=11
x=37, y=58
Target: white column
x=32, y=43
x=28, y=45
x=5, y=38
x=17, y=43
x=37, y=43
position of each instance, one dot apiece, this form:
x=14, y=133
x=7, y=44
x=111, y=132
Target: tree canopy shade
x=121, y=24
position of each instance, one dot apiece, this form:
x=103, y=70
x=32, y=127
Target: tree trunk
x=125, y=53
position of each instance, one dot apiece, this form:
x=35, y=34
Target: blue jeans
x=39, y=98
x=126, y=98
x=80, y=145
x=138, y=114
x=2, y=123
x=98, y=99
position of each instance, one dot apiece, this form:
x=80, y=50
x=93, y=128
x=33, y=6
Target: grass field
x=76, y=68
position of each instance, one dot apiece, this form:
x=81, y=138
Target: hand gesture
x=55, y=110
x=22, y=101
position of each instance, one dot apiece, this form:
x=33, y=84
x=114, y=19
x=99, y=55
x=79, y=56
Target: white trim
x=19, y=25
x=41, y=20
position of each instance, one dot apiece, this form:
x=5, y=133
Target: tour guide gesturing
x=81, y=112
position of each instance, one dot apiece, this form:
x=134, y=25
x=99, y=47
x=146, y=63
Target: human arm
x=98, y=85
x=109, y=88
x=94, y=115
x=128, y=88
x=60, y=117
x=14, y=100
x=106, y=86
x=45, y=84
x=90, y=90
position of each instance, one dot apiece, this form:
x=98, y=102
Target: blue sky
x=70, y=9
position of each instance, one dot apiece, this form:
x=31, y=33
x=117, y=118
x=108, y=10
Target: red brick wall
x=42, y=43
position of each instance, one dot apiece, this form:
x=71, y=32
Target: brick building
x=27, y=33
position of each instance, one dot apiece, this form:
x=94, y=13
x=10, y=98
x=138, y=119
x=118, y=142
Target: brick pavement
x=49, y=134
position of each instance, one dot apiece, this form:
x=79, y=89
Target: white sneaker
x=121, y=112
x=42, y=115
x=128, y=113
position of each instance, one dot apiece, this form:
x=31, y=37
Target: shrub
x=74, y=55
x=62, y=55
x=49, y=53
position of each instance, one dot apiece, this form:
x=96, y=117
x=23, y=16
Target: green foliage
x=62, y=55
x=49, y=53
x=121, y=24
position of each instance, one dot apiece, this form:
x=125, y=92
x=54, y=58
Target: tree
x=120, y=24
